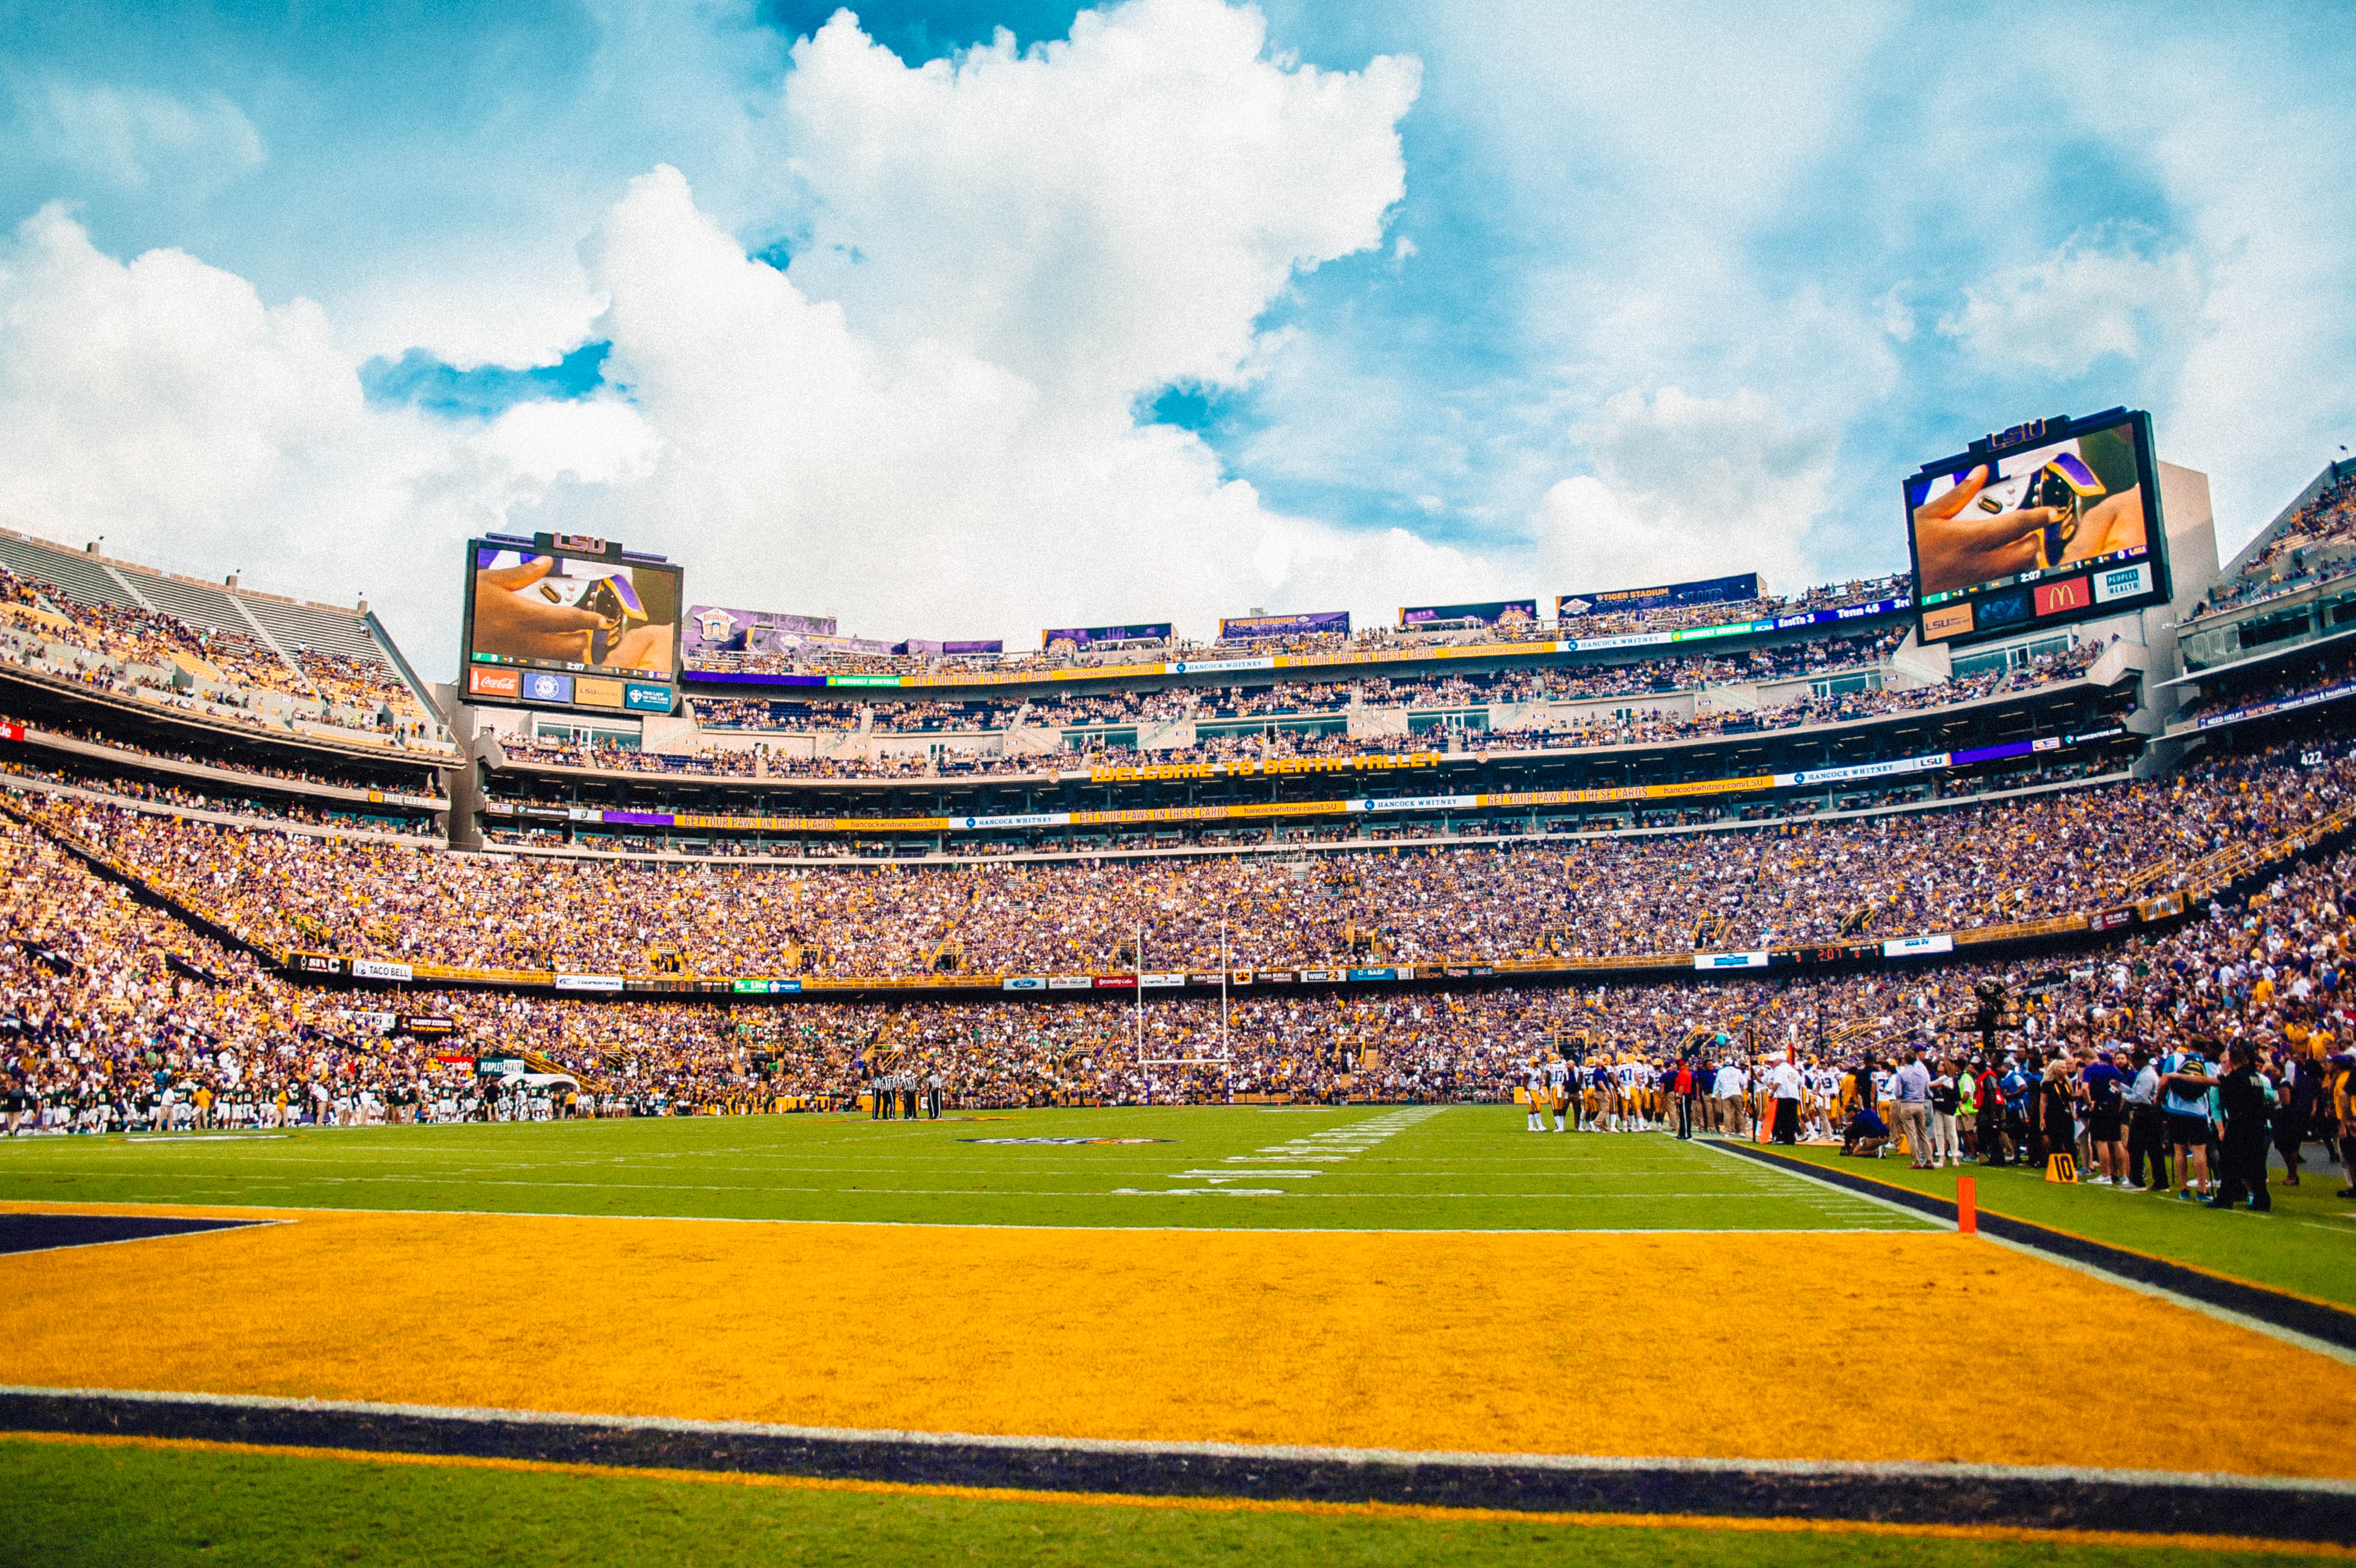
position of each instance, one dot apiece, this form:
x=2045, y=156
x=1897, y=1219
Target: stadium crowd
x=151, y=637
x=2311, y=546
x=373, y=817
x=2155, y=1061
x=2296, y=678
x=1736, y=888
x=353, y=775
x=1302, y=720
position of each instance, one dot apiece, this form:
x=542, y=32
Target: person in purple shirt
x=2102, y=1091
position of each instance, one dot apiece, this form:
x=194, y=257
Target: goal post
x=1226, y=1055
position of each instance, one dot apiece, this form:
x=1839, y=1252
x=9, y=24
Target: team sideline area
x=1436, y=1336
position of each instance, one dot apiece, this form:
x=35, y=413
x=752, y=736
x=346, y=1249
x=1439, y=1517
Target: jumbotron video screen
x=2060, y=523
x=571, y=623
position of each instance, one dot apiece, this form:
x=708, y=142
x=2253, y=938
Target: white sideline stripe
x=1762, y=1195
x=1450, y=1458
x=200, y=1137
x=2291, y=1337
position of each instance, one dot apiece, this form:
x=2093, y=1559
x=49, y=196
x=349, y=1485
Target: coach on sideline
x=1910, y=1086
x=1730, y=1092
x=1784, y=1079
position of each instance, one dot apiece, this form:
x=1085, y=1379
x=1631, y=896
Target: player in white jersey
x=1558, y=1089
x=1627, y=1078
x=1534, y=1086
x=1823, y=1081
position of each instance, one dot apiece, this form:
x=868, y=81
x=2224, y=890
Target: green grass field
x=2308, y=1244
x=1466, y=1167
x=68, y=1506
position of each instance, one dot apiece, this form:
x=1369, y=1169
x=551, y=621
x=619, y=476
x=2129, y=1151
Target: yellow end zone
x=1845, y=1347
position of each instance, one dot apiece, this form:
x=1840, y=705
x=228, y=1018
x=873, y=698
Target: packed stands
x=1311, y=719
x=2317, y=544
x=84, y=617
x=1737, y=887
x=1468, y=898
x=118, y=1016
x=2327, y=671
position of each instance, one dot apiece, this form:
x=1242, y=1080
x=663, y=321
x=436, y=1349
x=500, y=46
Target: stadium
x=1177, y=782
x=1084, y=1088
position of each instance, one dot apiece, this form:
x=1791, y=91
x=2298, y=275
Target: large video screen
x=574, y=624
x=2058, y=524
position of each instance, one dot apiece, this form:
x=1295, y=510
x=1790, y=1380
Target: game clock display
x=2051, y=522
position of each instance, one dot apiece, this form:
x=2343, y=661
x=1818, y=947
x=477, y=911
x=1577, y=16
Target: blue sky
x=1182, y=311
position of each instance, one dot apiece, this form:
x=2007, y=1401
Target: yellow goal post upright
x=1226, y=1058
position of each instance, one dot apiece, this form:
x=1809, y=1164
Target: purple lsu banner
x=920, y=645
x=1088, y=635
x=1251, y=629
x=717, y=628
x=1488, y=614
x=1738, y=589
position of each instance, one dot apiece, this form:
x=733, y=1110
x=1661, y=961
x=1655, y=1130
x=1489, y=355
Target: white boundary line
x=2291, y=1337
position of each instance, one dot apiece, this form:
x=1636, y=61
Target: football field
x=1363, y=1334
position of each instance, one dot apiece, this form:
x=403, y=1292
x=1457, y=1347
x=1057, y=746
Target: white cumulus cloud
x=1099, y=215
x=135, y=138
x=2094, y=296
x=927, y=427
x=1688, y=486
x=161, y=403
x=915, y=489
x=928, y=424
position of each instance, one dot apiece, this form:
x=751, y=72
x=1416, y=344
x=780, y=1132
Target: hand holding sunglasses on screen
x=1961, y=545
x=512, y=617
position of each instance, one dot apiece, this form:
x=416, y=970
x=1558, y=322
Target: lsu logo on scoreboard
x=1953, y=621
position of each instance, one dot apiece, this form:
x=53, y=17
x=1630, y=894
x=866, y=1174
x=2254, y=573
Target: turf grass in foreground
x=68, y=1506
